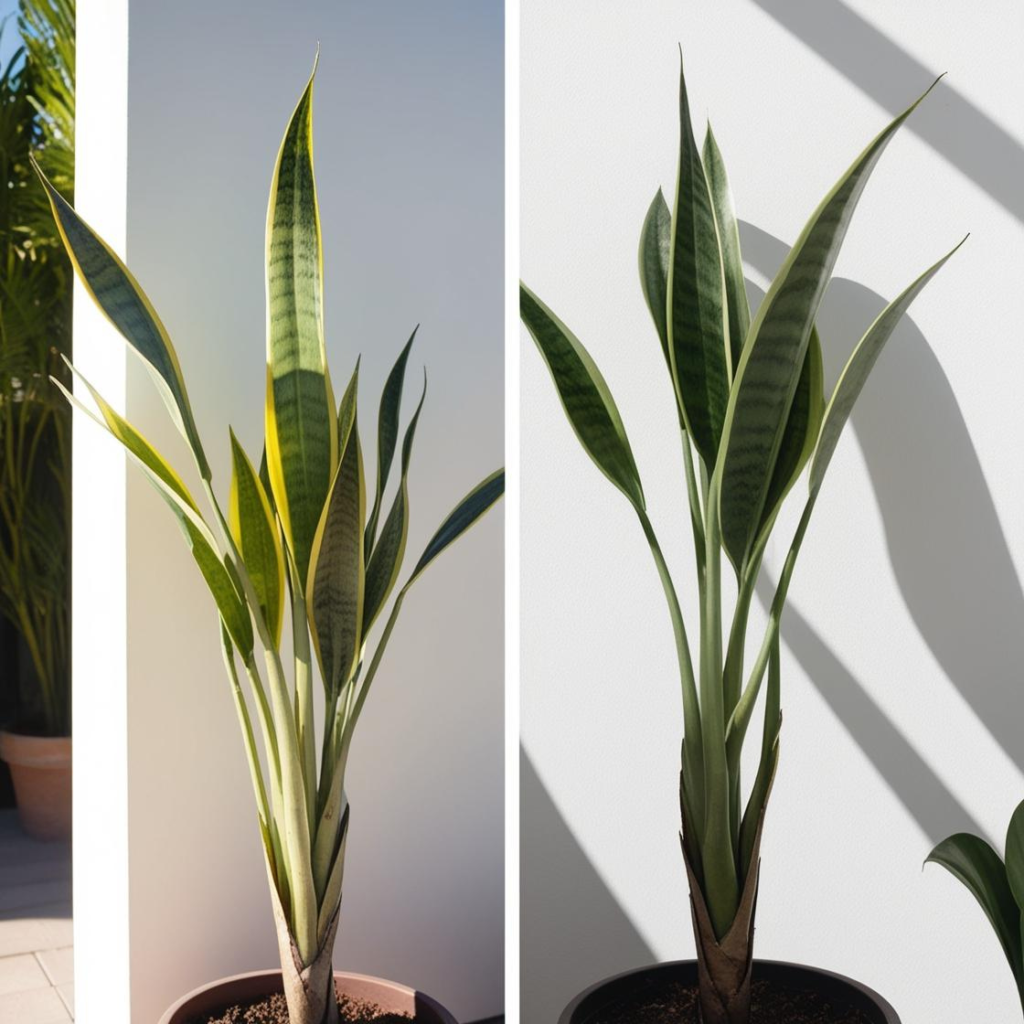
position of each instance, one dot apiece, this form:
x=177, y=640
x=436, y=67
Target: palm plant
x=752, y=414
x=996, y=883
x=296, y=537
x=36, y=114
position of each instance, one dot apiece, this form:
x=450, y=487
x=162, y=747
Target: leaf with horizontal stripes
x=729, y=239
x=858, y=368
x=585, y=396
x=655, y=249
x=461, y=518
x=334, y=594
x=169, y=485
x=301, y=431
x=121, y=299
x=387, y=434
x=774, y=355
x=386, y=560
x=698, y=321
x=254, y=530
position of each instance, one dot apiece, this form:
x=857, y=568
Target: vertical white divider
x=99, y=583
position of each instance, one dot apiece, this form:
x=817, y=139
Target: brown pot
x=41, y=772
x=388, y=995
x=840, y=991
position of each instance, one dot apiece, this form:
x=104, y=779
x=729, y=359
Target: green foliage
x=36, y=116
x=302, y=519
x=752, y=415
x=997, y=885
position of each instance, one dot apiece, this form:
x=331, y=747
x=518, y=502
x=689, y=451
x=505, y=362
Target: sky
x=9, y=38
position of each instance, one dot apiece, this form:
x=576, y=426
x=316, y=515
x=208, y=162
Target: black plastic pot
x=840, y=991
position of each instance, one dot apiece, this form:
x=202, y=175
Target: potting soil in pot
x=671, y=1002
x=274, y=1010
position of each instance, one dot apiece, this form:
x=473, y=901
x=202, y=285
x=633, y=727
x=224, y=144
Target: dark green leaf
x=585, y=396
x=387, y=434
x=655, y=247
x=462, y=517
x=774, y=355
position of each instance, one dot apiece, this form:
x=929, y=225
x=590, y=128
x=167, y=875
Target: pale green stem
x=696, y=516
x=693, y=769
x=721, y=887
x=740, y=720
x=304, y=701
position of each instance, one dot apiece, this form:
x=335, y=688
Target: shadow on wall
x=572, y=930
x=953, y=126
x=964, y=597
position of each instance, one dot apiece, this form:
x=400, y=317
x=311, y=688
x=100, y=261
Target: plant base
x=842, y=994
x=243, y=988
x=41, y=773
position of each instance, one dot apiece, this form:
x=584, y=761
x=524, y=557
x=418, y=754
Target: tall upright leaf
x=729, y=238
x=387, y=434
x=334, y=594
x=254, y=530
x=386, y=560
x=655, y=255
x=301, y=435
x=773, y=358
x=588, y=403
x=698, y=322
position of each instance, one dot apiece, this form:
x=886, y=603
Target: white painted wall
x=408, y=123
x=902, y=697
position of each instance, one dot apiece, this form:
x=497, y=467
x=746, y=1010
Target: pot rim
x=887, y=1010
x=433, y=1005
x=34, y=751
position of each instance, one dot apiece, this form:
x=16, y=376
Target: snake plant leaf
x=461, y=518
x=1015, y=856
x=347, y=408
x=698, y=321
x=655, y=249
x=801, y=433
x=859, y=366
x=387, y=434
x=254, y=529
x=971, y=860
x=169, y=485
x=585, y=397
x=301, y=435
x=386, y=560
x=729, y=238
x=337, y=576
x=774, y=354
x=121, y=299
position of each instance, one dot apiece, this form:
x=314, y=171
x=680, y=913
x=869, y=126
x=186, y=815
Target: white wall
x=904, y=714
x=409, y=157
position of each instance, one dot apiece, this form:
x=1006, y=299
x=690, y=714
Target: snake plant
x=296, y=542
x=997, y=884
x=752, y=414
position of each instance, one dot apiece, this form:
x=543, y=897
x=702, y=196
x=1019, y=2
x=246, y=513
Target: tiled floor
x=36, y=977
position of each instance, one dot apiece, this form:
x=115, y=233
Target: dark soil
x=274, y=1010
x=675, y=1003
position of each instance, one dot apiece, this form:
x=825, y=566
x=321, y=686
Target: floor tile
x=40, y=1006
x=59, y=964
x=21, y=973
x=67, y=994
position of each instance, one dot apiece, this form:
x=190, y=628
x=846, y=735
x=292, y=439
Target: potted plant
x=752, y=415
x=305, y=537
x=997, y=884
x=36, y=112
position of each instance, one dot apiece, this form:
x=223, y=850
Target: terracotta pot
x=389, y=996
x=841, y=992
x=41, y=772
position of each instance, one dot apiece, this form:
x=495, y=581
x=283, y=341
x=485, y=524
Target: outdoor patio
x=36, y=958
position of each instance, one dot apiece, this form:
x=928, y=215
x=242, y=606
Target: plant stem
x=693, y=768
x=304, y=701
